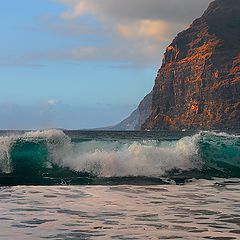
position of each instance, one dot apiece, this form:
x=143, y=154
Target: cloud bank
x=132, y=10
x=133, y=32
x=126, y=33
x=54, y=114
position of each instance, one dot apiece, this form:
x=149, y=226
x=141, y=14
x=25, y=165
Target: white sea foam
x=5, y=145
x=111, y=158
x=219, y=134
x=135, y=159
x=53, y=139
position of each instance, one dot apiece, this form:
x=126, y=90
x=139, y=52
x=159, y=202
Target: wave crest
x=149, y=158
x=52, y=154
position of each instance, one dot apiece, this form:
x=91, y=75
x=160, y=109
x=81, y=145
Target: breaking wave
x=51, y=157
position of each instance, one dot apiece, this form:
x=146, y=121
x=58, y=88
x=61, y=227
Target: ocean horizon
x=120, y=120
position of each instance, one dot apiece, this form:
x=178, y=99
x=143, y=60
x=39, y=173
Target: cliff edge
x=198, y=84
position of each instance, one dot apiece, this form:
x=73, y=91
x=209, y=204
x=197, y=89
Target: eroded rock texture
x=198, y=85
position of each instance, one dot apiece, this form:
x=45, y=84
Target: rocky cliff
x=198, y=84
x=137, y=118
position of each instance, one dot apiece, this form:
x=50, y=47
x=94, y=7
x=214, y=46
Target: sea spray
x=147, y=158
x=53, y=157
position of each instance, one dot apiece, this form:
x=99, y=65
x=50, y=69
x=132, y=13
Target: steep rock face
x=198, y=85
x=138, y=117
x=145, y=109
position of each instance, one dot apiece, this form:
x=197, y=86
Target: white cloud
x=171, y=10
x=135, y=32
x=157, y=30
x=78, y=8
x=52, y=102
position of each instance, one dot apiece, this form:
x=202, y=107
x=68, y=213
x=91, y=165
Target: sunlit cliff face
x=199, y=83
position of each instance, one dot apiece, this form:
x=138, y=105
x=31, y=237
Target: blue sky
x=82, y=63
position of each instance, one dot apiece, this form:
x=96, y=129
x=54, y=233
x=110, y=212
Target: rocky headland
x=198, y=84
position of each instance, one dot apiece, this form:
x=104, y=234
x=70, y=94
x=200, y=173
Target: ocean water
x=119, y=185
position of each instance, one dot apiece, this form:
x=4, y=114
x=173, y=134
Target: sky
x=80, y=64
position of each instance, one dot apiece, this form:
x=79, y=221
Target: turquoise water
x=53, y=157
x=119, y=185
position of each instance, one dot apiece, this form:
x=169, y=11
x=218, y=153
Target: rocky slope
x=198, y=85
x=137, y=118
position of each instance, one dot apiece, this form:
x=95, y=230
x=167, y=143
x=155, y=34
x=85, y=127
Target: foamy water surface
x=200, y=209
